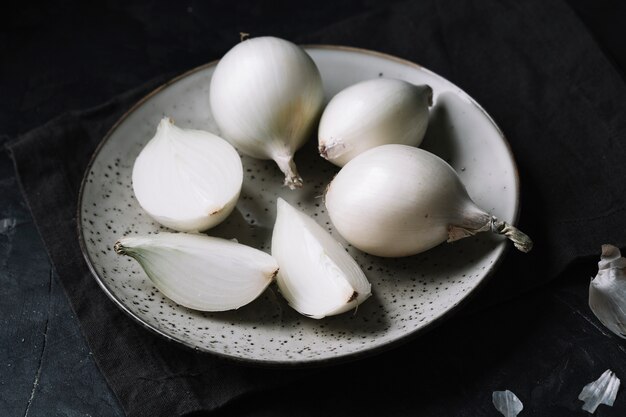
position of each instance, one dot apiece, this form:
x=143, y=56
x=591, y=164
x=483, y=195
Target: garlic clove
x=397, y=200
x=317, y=276
x=266, y=96
x=201, y=272
x=507, y=403
x=188, y=180
x=601, y=391
x=607, y=291
x=373, y=113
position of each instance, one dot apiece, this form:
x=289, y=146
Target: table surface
x=545, y=345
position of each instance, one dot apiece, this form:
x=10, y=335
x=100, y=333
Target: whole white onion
x=373, y=113
x=266, y=96
x=398, y=200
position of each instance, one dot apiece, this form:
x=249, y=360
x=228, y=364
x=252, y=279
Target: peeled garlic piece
x=188, y=180
x=601, y=391
x=201, y=272
x=317, y=276
x=373, y=113
x=507, y=403
x=398, y=200
x=607, y=291
x=266, y=97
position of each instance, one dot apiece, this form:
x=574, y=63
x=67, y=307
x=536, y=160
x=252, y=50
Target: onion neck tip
x=332, y=148
x=520, y=240
x=288, y=167
x=429, y=95
x=323, y=151
x=274, y=274
x=293, y=182
x=119, y=248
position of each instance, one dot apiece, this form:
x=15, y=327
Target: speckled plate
x=409, y=294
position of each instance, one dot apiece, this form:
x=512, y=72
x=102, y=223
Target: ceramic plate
x=409, y=294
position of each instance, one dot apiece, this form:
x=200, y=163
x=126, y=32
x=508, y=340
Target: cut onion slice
x=201, y=272
x=317, y=276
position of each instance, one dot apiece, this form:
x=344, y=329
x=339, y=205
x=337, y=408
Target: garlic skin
x=201, y=272
x=507, y=403
x=398, y=200
x=601, y=391
x=266, y=96
x=188, y=180
x=317, y=276
x=373, y=113
x=607, y=291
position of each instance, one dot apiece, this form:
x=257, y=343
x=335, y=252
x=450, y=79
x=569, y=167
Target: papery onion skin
x=607, y=291
x=266, y=96
x=601, y=391
x=372, y=113
x=507, y=403
x=397, y=200
x=201, y=272
x=188, y=180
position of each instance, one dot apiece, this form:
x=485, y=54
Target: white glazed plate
x=409, y=294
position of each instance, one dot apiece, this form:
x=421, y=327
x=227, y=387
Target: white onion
x=266, y=96
x=317, y=276
x=607, y=291
x=201, y=272
x=188, y=180
x=373, y=113
x=398, y=200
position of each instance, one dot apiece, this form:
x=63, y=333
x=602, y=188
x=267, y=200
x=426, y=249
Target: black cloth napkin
x=150, y=375
x=531, y=65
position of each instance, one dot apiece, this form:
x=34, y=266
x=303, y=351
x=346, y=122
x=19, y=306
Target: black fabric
x=150, y=376
x=531, y=65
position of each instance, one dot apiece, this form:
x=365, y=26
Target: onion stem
x=119, y=249
x=521, y=241
x=482, y=222
x=288, y=167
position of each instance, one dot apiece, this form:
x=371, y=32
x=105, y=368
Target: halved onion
x=188, y=180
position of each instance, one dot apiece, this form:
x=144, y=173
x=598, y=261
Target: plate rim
x=313, y=362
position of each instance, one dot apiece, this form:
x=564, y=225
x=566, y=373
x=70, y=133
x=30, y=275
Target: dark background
x=62, y=56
